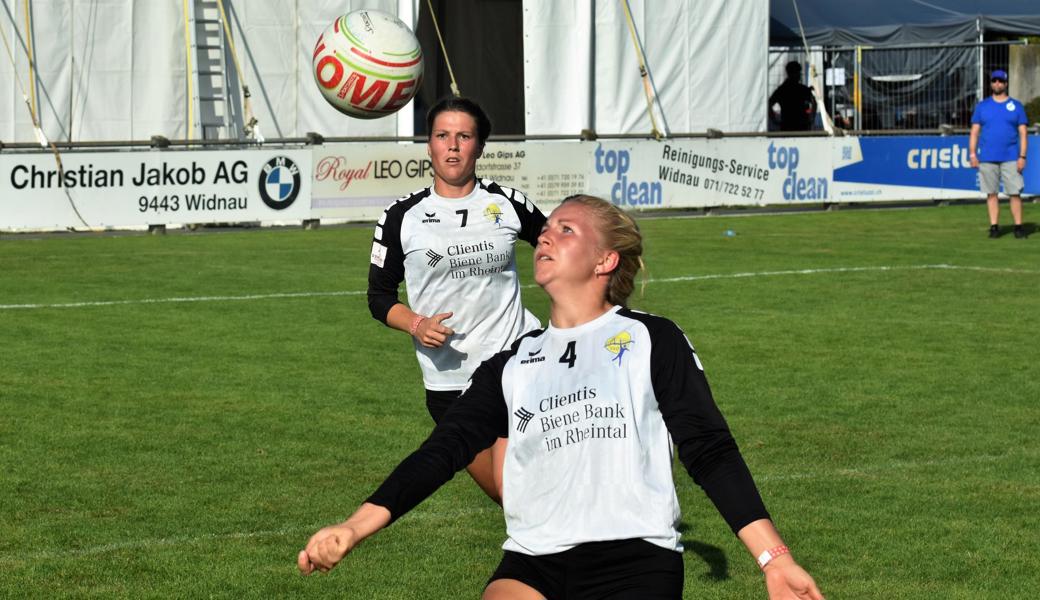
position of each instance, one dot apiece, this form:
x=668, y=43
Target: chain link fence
x=898, y=88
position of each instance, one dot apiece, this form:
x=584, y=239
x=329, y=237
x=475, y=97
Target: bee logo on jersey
x=618, y=345
x=493, y=214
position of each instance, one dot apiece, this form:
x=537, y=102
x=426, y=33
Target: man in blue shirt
x=997, y=148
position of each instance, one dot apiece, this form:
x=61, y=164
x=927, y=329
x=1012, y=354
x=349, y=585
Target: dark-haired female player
x=592, y=406
x=453, y=245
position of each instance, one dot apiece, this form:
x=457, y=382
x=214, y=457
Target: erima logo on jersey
x=434, y=258
x=524, y=417
x=493, y=214
x=431, y=218
x=378, y=254
x=532, y=357
x=618, y=345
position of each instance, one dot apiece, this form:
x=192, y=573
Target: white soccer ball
x=368, y=64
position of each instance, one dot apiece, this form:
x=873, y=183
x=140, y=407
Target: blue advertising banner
x=939, y=164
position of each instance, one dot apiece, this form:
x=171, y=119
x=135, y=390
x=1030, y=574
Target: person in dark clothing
x=797, y=102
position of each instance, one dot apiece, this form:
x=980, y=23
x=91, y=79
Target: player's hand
x=326, y=548
x=1021, y=165
x=432, y=332
x=974, y=161
x=785, y=580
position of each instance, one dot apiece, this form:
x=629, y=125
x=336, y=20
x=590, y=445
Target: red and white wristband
x=415, y=324
x=768, y=555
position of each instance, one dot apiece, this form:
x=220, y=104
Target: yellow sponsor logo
x=618, y=345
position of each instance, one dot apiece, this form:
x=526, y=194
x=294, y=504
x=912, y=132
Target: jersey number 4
x=569, y=355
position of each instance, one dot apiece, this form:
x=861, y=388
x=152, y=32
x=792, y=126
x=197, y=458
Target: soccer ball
x=368, y=64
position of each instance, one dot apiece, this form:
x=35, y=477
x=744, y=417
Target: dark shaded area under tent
x=921, y=65
x=886, y=22
x=484, y=43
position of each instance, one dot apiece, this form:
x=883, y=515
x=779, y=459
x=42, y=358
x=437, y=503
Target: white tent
x=120, y=69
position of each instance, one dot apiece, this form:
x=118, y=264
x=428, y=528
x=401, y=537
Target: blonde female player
x=591, y=405
x=453, y=245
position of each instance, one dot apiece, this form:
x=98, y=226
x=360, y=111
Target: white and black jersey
x=591, y=413
x=456, y=255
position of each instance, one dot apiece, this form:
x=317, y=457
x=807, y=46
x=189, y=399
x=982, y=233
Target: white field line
x=182, y=299
x=425, y=515
x=748, y=274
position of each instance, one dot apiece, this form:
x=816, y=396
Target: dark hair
x=470, y=107
x=793, y=68
x=620, y=233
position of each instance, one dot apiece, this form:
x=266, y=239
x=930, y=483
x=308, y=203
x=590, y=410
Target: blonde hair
x=619, y=233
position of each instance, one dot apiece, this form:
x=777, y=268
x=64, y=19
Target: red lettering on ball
x=337, y=73
x=357, y=82
x=402, y=94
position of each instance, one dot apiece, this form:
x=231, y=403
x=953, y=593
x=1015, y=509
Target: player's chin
x=455, y=175
x=541, y=274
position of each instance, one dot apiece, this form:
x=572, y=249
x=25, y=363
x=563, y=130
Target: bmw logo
x=280, y=183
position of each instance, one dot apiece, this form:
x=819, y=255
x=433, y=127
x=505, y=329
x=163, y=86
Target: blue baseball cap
x=1000, y=74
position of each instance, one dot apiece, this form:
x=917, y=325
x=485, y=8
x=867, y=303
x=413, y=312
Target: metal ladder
x=218, y=114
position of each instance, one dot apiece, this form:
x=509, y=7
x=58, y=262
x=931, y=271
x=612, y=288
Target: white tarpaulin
x=706, y=60
x=118, y=69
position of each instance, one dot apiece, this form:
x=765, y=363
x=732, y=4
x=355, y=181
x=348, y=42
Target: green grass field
x=179, y=413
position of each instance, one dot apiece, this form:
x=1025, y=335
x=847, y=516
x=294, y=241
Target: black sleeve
x=531, y=219
x=471, y=424
x=384, y=281
x=706, y=446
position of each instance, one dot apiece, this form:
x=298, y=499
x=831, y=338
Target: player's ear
x=608, y=262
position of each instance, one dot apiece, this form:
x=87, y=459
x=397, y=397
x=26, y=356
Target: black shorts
x=615, y=570
x=437, y=402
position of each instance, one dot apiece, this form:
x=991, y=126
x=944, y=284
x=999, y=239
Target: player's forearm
x=973, y=140
x=400, y=317
x=366, y=520
x=759, y=536
x=762, y=540
x=1023, y=141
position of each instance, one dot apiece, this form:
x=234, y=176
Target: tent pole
x=857, y=92
x=981, y=92
x=72, y=69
